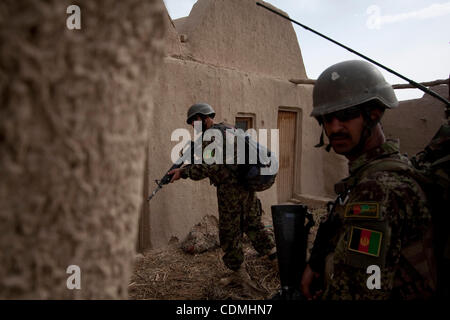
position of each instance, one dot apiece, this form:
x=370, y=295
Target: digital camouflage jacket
x=379, y=220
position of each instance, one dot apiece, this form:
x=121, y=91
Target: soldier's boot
x=241, y=277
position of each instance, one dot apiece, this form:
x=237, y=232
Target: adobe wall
x=239, y=58
x=240, y=35
x=416, y=121
x=73, y=130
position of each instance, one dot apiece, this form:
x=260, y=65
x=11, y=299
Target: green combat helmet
x=350, y=83
x=200, y=108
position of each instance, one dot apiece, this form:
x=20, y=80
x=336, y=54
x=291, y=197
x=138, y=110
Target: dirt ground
x=173, y=274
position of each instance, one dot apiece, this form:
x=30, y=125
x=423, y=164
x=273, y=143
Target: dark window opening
x=244, y=123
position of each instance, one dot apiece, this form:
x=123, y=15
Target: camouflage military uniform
x=380, y=218
x=239, y=210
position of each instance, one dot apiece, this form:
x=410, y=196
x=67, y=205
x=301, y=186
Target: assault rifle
x=167, y=177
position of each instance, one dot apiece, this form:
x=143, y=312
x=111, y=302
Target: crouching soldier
x=239, y=208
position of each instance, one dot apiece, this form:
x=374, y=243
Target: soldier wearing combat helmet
x=380, y=215
x=239, y=208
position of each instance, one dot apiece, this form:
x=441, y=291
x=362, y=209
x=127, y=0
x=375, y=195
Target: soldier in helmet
x=374, y=236
x=239, y=208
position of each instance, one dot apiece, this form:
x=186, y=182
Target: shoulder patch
x=208, y=154
x=364, y=210
x=365, y=241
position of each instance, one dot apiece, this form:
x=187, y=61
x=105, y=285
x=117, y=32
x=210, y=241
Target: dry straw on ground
x=172, y=274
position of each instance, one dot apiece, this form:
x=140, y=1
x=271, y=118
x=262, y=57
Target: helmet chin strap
x=369, y=124
x=204, y=124
x=321, y=142
x=365, y=134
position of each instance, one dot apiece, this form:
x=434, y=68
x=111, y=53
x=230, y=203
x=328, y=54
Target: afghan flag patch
x=369, y=210
x=365, y=241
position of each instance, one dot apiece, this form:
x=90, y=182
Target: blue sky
x=411, y=37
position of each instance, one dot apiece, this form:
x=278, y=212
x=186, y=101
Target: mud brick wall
x=74, y=108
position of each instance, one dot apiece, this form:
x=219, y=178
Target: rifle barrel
x=154, y=192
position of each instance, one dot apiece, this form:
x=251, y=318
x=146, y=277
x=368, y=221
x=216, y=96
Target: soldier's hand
x=307, y=279
x=176, y=174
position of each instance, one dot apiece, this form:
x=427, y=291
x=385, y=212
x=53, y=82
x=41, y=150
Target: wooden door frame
x=296, y=188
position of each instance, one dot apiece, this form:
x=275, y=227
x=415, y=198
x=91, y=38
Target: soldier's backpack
x=431, y=169
x=254, y=175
